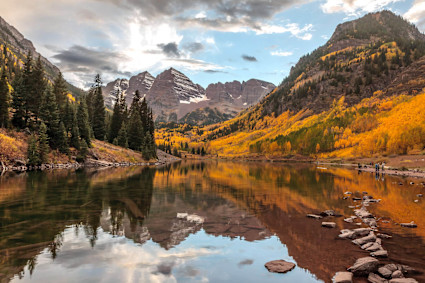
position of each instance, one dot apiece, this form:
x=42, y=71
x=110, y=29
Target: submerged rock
x=329, y=213
x=403, y=280
x=314, y=216
x=375, y=278
x=383, y=236
x=380, y=253
x=279, y=266
x=364, y=266
x=343, y=277
x=329, y=224
x=409, y=225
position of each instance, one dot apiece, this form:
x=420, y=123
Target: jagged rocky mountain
x=20, y=46
x=174, y=97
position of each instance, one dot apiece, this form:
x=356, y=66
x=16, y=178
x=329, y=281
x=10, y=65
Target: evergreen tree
x=60, y=91
x=18, y=102
x=84, y=150
x=75, y=133
x=25, y=92
x=122, y=139
x=4, y=101
x=43, y=144
x=67, y=114
x=37, y=86
x=33, y=152
x=50, y=116
x=116, y=120
x=135, y=131
x=62, y=140
x=83, y=122
x=98, y=110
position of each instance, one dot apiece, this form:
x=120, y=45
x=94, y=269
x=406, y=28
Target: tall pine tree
x=117, y=119
x=18, y=102
x=83, y=122
x=37, y=87
x=99, y=113
x=60, y=91
x=4, y=100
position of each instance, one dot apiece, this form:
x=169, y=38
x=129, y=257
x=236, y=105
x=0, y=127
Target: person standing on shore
x=376, y=167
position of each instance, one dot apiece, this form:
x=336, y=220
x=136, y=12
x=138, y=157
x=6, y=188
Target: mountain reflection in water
x=121, y=224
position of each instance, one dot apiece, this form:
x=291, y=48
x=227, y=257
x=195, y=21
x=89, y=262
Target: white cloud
x=281, y=53
x=354, y=7
x=292, y=28
x=416, y=13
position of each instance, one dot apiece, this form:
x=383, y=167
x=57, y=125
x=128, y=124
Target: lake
x=196, y=222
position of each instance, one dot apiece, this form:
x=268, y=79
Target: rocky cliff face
x=141, y=82
x=173, y=96
x=171, y=93
x=20, y=46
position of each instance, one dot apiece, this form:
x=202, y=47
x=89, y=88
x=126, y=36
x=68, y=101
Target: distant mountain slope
x=19, y=46
x=336, y=101
x=173, y=96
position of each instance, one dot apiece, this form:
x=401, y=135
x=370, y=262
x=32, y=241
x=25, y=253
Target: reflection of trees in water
x=51, y=201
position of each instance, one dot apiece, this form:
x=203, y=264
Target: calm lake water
x=195, y=222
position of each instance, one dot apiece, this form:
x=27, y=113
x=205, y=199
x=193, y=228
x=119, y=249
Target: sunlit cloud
x=354, y=7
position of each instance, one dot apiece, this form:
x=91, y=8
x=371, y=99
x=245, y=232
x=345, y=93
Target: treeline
x=53, y=117
x=176, y=149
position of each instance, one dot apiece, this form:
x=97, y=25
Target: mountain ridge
x=173, y=96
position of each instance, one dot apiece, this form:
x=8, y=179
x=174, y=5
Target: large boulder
x=279, y=266
x=363, y=266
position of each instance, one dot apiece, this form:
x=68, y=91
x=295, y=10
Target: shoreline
x=413, y=171
x=163, y=159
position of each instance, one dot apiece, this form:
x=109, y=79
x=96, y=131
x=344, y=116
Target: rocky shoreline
x=370, y=240
x=21, y=166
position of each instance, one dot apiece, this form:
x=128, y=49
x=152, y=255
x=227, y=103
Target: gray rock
x=314, y=216
x=374, y=247
x=329, y=224
x=403, y=280
x=397, y=274
x=367, y=245
x=380, y=253
x=364, y=266
x=385, y=272
x=348, y=220
x=374, y=278
x=370, y=238
x=279, y=266
x=343, y=277
x=383, y=236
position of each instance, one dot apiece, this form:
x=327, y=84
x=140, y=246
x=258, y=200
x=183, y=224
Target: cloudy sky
x=208, y=40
